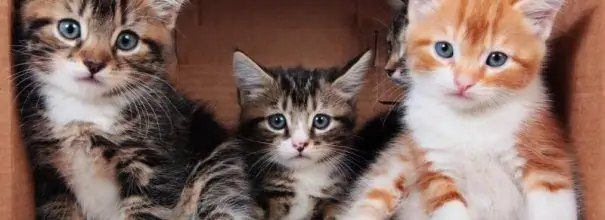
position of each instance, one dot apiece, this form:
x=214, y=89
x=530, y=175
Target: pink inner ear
x=540, y=16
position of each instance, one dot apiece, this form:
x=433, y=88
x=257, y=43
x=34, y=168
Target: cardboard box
x=323, y=33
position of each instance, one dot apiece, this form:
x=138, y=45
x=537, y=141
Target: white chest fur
x=310, y=183
x=90, y=177
x=477, y=151
x=63, y=109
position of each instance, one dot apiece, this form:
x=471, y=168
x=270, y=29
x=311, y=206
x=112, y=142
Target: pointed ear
x=418, y=9
x=168, y=10
x=349, y=83
x=541, y=14
x=252, y=81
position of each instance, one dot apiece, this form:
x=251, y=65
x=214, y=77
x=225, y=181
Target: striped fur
x=291, y=184
x=108, y=137
x=395, y=66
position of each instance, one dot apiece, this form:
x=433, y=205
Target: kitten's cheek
x=286, y=151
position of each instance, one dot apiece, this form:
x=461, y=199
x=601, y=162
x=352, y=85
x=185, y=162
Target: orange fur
x=478, y=26
x=474, y=28
x=437, y=190
x=548, y=163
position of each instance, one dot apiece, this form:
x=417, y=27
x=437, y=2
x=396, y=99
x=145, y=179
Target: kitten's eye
x=496, y=59
x=321, y=121
x=444, y=49
x=69, y=29
x=127, y=40
x=277, y=121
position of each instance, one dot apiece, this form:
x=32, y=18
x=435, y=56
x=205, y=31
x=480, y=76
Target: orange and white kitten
x=482, y=142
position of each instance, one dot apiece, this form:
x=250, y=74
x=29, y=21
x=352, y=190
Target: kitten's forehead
x=299, y=86
x=476, y=26
x=106, y=11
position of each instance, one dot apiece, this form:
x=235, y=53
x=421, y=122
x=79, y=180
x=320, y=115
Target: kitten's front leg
x=443, y=201
x=224, y=192
x=547, y=177
x=549, y=194
x=381, y=189
x=149, y=184
x=61, y=207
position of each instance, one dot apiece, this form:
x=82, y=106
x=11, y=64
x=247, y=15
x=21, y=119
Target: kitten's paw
x=454, y=210
x=560, y=205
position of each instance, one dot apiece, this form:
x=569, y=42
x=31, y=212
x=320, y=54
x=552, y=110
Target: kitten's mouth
x=300, y=157
x=460, y=95
x=90, y=80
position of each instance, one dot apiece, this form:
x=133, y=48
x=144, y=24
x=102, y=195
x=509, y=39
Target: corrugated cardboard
x=323, y=33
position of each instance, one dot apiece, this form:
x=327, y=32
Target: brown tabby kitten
x=108, y=137
x=395, y=66
x=297, y=126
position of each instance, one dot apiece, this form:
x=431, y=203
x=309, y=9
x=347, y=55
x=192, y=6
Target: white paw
x=559, y=205
x=454, y=210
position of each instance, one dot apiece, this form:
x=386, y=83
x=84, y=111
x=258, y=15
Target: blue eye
x=496, y=59
x=277, y=121
x=69, y=29
x=321, y=121
x=127, y=40
x=444, y=49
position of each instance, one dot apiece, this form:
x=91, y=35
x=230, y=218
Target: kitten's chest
x=310, y=187
x=313, y=183
x=89, y=173
x=486, y=171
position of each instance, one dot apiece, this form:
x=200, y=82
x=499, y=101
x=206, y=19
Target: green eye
x=277, y=121
x=127, y=40
x=444, y=49
x=321, y=121
x=69, y=29
x=496, y=59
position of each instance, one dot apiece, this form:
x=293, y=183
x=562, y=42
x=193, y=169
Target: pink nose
x=300, y=145
x=462, y=87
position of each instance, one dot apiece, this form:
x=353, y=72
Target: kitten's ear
x=252, y=81
x=168, y=10
x=418, y=9
x=541, y=14
x=349, y=83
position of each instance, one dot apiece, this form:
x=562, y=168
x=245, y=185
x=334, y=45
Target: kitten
x=482, y=142
x=395, y=66
x=297, y=127
x=108, y=137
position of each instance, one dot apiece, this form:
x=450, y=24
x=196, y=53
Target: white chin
x=81, y=89
x=297, y=162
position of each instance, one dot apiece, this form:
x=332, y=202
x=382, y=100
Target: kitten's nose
x=300, y=146
x=93, y=66
x=464, y=83
x=462, y=87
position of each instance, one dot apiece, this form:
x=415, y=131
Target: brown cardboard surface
x=313, y=33
x=578, y=61
x=324, y=33
x=15, y=191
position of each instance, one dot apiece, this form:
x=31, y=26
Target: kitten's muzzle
x=94, y=66
x=300, y=146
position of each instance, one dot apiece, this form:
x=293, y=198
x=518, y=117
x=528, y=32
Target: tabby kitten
x=395, y=66
x=482, y=141
x=297, y=127
x=106, y=134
